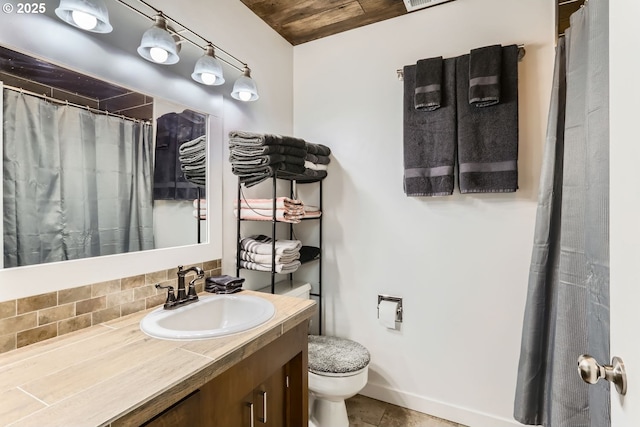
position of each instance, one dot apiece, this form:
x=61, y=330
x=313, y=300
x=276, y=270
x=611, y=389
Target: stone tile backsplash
x=33, y=319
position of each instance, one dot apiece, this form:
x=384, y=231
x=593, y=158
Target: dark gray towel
x=243, y=150
x=318, y=159
x=318, y=149
x=488, y=137
x=428, y=84
x=430, y=138
x=485, y=65
x=251, y=139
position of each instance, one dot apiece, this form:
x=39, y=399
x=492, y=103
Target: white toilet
x=338, y=368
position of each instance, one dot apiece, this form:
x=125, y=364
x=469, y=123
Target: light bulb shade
x=206, y=67
x=95, y=8
x=245, y=89
x=159, y=37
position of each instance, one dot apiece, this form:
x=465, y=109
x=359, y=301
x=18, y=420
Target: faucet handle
x=171, y=296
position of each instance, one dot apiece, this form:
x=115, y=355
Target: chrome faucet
x=183, y=296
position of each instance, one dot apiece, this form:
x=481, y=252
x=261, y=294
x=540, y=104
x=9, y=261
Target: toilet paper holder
x=394, y=299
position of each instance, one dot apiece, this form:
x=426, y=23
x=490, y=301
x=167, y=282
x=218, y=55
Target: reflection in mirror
x=92, y=169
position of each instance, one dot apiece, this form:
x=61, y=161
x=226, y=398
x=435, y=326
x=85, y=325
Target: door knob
x=591, y=372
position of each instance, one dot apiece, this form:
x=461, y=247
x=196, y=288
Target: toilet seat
x=339, y=357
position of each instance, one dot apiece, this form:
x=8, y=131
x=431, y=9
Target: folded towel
x=261, y=244
x=318, y=149
x=224, y=280
x=309, y=253
x=485, y=65
x=488, y=137
x=428, y=89
x=266, y=259
x=312, y=214
x=257, y=139
x=197, y=180
x=309, y=175
x=269, y=159
x=281, y=203
x=193, y=146
x=267, y=215
x=222, y=290
x=430, y=139
x=244, y=151
x=316, y=167
x=280, y=268
x=193, y=158
x=318, y=159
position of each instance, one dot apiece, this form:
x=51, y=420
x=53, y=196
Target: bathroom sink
x=212, y=316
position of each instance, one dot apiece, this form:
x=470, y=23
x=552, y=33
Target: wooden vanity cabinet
x=278, y=370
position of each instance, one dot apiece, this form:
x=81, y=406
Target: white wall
x=460, y=262
x=230, y=25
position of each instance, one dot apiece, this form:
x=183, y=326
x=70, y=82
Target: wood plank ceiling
x=300, y=21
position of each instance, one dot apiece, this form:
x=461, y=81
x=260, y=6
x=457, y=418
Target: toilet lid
x=336, y=355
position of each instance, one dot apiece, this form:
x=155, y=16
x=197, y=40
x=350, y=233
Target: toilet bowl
x=338, y=370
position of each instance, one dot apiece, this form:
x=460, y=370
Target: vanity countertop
x=114, y=374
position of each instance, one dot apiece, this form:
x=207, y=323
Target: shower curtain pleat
x=76, y=184
x=567, y=308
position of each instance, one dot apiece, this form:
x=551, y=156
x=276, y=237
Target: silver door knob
x=591, y=372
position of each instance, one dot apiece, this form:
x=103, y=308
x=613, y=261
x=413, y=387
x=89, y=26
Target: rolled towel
x=485, y=65
x=309, y=253
x=316, y=167
x=428, y=84
x=203, y=203
x=488, y=137
x=261, y=244
x=317, y=159
x=318, y=149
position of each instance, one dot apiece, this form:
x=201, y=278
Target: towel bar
x=521, y=53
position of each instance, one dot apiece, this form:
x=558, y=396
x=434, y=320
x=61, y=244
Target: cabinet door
x=184, y=413
x=269, y=401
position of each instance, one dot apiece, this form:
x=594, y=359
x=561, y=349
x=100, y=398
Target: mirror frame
x=64, y=45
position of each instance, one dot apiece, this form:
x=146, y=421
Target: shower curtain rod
x=84, y=107
x=521, y=53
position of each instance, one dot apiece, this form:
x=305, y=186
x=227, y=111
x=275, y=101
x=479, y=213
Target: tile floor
x=366, y=412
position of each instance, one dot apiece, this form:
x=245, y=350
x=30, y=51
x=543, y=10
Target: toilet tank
x=295, y=288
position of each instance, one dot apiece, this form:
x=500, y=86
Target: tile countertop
x=114, y=374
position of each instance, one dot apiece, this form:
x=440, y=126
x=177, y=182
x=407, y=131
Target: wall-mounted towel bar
x=521, y=53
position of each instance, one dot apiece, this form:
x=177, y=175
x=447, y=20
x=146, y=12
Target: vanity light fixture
x=89, y=15
x=208, y=69
x=157, y=44
x=245, y=89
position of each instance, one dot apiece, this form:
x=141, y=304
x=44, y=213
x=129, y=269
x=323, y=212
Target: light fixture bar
x=203, y=47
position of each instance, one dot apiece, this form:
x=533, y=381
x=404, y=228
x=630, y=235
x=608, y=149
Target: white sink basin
x=212, y=316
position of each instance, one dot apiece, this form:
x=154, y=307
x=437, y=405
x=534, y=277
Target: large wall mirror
x=68, y=97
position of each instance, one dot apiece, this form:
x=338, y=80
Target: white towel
x=261, y=244
x=266, y=259
x=280, y=268
x=314, y=166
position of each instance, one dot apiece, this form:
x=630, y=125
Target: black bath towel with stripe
x=488, y=136
x=430, y=137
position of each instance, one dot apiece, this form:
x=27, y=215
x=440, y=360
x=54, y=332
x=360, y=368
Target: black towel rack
x=521, y=53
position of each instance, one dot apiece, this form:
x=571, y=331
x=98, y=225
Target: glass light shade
x=79, y=12
x=208, y=69
x=158, y=38
x=245, y=89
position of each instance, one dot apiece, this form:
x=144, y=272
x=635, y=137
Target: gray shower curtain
x=76, y=184
x=567, y=308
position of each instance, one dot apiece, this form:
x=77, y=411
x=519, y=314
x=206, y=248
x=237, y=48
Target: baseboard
x=437, y=409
